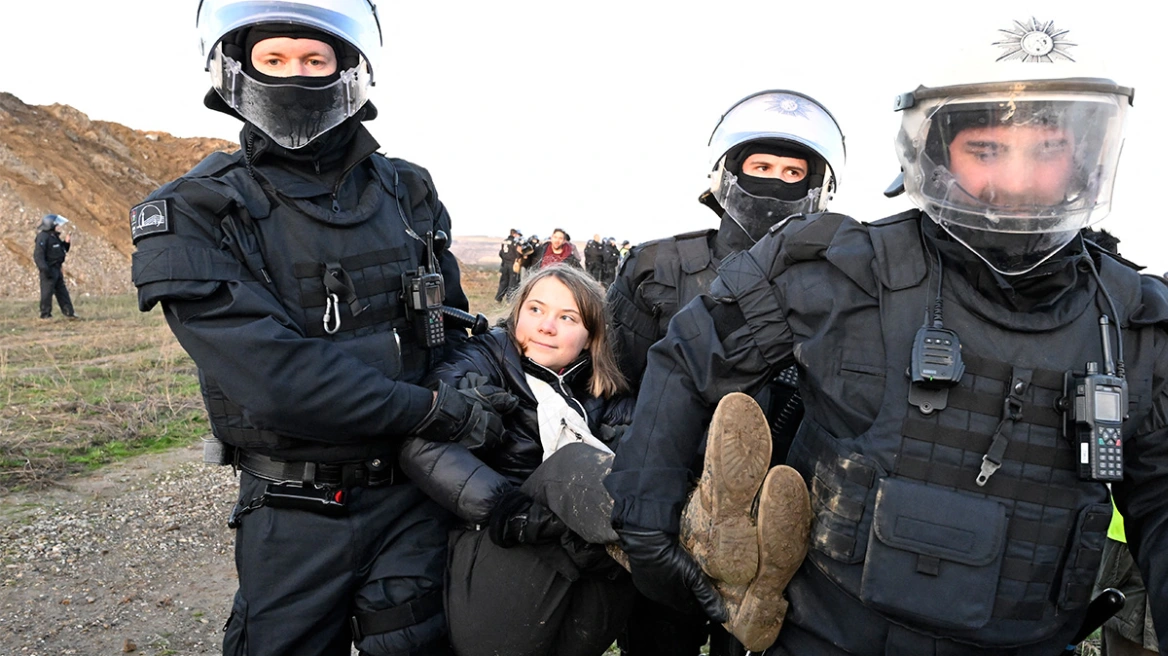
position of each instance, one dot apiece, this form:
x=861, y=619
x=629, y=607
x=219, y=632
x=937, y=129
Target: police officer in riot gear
x=795, y=154
x=956, y=464
x=49, y=255
x=773, y=154
x=300, y=273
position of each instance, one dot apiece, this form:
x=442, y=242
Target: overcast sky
x=594, y=116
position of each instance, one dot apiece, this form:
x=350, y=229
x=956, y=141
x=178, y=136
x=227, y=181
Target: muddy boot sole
x=784, y=527
x=717, y=527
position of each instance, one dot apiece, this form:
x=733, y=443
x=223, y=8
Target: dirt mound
x=56, y=160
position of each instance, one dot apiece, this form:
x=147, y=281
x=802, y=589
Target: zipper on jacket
x=564, y=390
x=341, y=181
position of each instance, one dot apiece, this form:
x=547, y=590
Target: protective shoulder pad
x=1153, y=308
x=836, y=238
x=215, y=164
x=225, y=176
x=416, y=181
x=693, y=250
x=900, y=255
x=1143, y=298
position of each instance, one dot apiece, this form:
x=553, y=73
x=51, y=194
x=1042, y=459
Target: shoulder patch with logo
x=149, y=218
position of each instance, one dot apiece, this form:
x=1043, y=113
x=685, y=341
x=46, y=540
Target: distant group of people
x=602, y=257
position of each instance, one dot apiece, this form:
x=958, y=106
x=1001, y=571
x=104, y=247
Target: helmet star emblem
x=1035, y=42
x=789, y=105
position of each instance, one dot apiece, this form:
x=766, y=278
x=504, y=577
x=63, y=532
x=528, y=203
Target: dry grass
x=78, y=394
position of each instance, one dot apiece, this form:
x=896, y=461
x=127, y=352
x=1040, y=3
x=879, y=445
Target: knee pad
x=416, y=627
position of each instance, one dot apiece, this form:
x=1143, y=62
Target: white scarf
x=559, y=425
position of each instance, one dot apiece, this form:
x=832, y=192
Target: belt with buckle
x=371, y=473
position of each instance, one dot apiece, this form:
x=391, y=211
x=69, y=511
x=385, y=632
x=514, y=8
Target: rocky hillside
x=55, y=160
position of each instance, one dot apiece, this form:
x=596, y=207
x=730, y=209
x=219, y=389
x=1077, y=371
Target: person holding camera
x=510, y=256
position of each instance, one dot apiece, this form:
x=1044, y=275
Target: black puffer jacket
x=469, y=484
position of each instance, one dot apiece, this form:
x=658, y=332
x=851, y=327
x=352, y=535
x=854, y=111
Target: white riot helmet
x=782, y=121
x=1021, y=154
x=294, y=111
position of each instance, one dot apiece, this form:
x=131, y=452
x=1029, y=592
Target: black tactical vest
x=683, y=268
x=357, y=285
x=900, y=522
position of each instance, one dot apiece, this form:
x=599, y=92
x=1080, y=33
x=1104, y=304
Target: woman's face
x=550, y=329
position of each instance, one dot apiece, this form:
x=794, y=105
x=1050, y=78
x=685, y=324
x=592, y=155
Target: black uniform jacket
x=469, y=483
x=50, y=250
x=237, y=263
x=815, y=301
x=655, y=281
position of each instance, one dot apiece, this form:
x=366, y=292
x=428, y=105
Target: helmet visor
x=291, y=114
x=1010, y=161
x=1011, y=253
x=758, y=214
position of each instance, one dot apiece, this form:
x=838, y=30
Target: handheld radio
x=424, y=290
x=1096, y=405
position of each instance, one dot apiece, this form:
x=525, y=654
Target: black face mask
x=774, y=188
x=771, y=187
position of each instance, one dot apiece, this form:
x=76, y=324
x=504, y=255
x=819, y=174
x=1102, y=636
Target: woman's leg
x=571, y=484
x=504, y=601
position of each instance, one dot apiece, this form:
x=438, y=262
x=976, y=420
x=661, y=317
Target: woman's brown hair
x=589, y=295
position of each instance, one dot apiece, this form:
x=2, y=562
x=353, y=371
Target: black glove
x=457, y=417
x=479, y=388
x=517, y=519
x=665, y=573
x=612, y=435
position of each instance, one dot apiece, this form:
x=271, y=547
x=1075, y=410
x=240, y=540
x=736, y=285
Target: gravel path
x=136, y=559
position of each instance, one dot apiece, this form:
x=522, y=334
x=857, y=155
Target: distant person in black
x=49, y=255
x=509, y=254
x=594, y=257
x=609, y=258
x=526, y=251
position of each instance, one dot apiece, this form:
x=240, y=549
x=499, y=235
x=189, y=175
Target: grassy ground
x=75, y=394
x=78, y=394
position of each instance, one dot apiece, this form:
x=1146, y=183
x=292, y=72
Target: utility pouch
x=1084, y=555
x=841, y=487
x=216, y=452
x=934, y=556
x=325, y=501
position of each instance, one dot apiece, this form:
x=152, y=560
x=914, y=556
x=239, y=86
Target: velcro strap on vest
x=1008, y=488
x=186, y=263
x=1061, y=457
x=399, y=617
